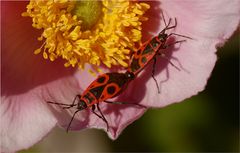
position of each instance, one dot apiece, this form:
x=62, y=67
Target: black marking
x=162, y=37
x=135, y=65
x=111, y=90
x=147, y=50
x=97, y=91
x=81, y=105
x=144, y=59
x=118, y=78
x=154, y=42
x=101, y=79
x=151, y=46
x=130, y=75
x=88, y=98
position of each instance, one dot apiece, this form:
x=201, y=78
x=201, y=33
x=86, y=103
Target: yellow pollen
x=90, y=32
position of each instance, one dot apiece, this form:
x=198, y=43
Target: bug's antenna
x=164, y=19
x=61, y=104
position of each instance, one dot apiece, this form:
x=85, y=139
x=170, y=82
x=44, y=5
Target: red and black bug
x=110, y=85
x=150, y=49
x=106, y=86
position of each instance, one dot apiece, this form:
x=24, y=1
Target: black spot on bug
x=88, y=97
x=148, y=49
x=81, y=105
x=154, y=42
x=151, y=46
x=101, y=79
x=135, y=65
x=118, y=79
x=97, y=91
x=162, y=37
x=111, y=89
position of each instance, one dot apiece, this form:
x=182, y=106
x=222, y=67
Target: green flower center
x=89, y=12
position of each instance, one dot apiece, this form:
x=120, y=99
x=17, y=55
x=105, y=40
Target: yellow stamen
x=93, y=32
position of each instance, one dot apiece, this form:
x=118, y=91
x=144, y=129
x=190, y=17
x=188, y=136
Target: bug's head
x=130, y=75
x=162, y=36
x=81, y=105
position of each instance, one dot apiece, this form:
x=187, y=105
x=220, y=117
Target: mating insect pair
x=110, y=85
x=106, y=86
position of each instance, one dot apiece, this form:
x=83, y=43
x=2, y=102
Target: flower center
x=88, y=32
x=89, y=12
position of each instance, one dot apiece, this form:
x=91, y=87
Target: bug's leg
x=93, y=110
x=50, y=102
x=66, y=105
x=72, y=119
x=100, y=116
x=174, y=26
x=176, y=34
x=117, y=102
x=153, y=71
x=73, y=103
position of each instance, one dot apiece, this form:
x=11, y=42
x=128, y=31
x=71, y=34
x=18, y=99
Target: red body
x=145, y=54
x=106, y=86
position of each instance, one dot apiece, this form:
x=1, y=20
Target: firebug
x=106, y=86
x=150, y=49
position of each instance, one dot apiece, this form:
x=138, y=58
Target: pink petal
x=118, y=117
x=28, y=82
x=210, y=23
x=24, y=121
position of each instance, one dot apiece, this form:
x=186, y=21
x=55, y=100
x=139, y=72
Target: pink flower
x=28, y=81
